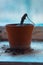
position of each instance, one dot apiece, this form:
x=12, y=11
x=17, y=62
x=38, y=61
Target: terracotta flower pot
x=19, y=36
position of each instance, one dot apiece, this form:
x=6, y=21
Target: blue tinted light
x=11, y=11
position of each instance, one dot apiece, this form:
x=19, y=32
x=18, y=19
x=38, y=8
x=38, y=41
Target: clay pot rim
x=18, y=25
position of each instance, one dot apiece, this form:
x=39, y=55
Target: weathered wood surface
x=34, y=56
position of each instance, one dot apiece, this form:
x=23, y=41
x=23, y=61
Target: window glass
x=11, y=11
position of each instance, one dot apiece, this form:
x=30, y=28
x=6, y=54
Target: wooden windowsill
x=36, y=56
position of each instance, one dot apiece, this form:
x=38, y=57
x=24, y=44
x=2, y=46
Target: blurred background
x=11, y=11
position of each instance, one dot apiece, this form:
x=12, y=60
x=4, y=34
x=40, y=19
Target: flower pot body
x=19, y=36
